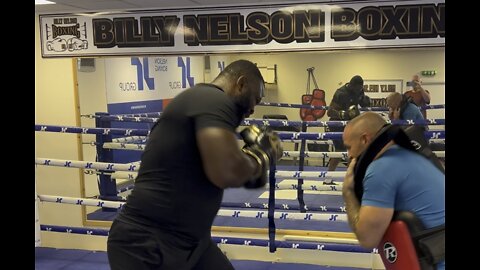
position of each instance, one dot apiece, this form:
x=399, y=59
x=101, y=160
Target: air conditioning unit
x=86, y=64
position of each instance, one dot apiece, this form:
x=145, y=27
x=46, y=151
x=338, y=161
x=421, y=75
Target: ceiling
x=73, y=6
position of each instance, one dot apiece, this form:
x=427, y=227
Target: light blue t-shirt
x=412, y=112
x=404, y=180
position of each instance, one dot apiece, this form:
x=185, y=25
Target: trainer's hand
x=264, y=145
x=348, y=182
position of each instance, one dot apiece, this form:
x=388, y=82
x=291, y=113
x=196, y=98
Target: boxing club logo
x=66, y=34
x=390, y=252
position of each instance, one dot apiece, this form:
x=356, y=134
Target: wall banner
x=294, y=27
x=137, y=79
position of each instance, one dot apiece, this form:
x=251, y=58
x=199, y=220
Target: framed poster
x=378, y=90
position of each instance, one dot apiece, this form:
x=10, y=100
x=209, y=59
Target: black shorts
x=339, y=146
x=133, y=246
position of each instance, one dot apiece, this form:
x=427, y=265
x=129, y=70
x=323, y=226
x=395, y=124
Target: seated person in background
x=420, y=96
x=344, y=107
x=400, y=108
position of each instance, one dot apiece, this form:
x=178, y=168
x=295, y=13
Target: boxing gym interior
x=105, y=71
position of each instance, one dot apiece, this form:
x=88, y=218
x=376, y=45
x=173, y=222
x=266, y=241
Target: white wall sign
x=279, y=27
x=378, y=90
x=136, y=79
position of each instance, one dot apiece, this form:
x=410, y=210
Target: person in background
x=418, y=94
x=344, y=107
x=400, y=108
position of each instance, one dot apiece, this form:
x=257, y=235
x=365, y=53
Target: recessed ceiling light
x=43, y=2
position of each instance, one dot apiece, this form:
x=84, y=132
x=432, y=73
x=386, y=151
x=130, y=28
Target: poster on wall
x=147, y=84
x=215, y=65
x=280, y=27
x=378, y=90
x=137, y=85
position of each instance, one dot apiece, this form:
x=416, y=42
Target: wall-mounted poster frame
x=378, y=90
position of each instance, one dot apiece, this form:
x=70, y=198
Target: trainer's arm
x=425, y=95
x=223, y=161
x=369, y=223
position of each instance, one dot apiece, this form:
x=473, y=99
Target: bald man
x=397, y=180
x=419, y=95
x=400, y=108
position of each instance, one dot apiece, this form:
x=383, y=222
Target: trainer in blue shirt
x=400, y=108
x=397, y=180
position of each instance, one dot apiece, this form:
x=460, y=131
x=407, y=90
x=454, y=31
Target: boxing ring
x=307, y=213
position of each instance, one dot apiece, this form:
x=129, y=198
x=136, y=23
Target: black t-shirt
x=172, y=192
x=345, y=97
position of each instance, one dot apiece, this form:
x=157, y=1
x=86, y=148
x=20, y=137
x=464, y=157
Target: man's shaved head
x=369, y=122
x=360, y=131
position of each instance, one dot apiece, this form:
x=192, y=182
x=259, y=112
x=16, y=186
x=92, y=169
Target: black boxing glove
x=343, y=115
x=349, y=114
x=364, y=100
x=264, y=145
x=353, y=111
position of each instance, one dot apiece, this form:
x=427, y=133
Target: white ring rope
x=307, y=186
x=88, y=165
x=282, y=215
x=140, y=147
x=123, y=175
x=280, y=186
x=221, y=212
x=306, y=175
x=129, y=139
x=308, y=154
x=80, y=201
x=120, y=168
x=343, y=155
x=133, y=167
x=329, y=142
x=310, y=175
x=126, y=146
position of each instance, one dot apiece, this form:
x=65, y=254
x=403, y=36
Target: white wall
x=55, y=105
x=92, y=98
